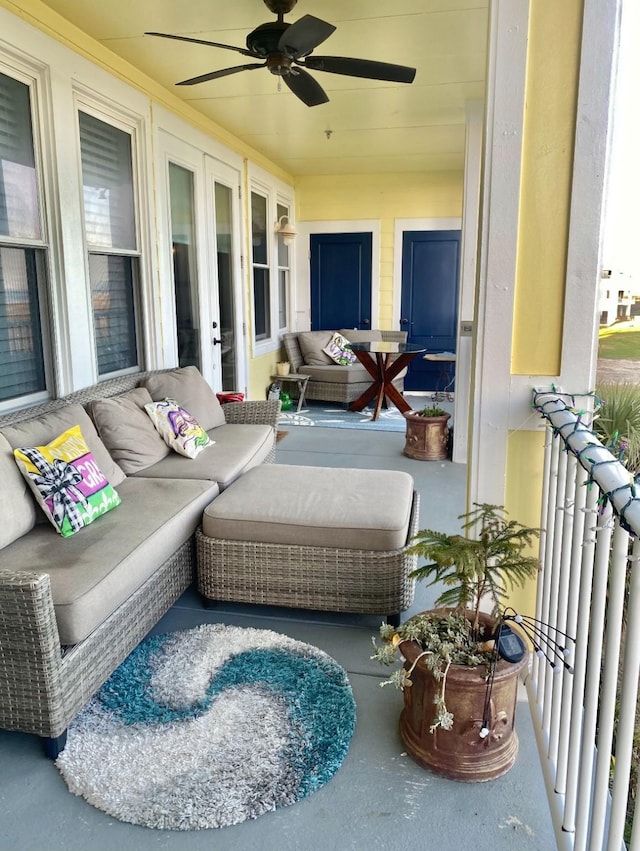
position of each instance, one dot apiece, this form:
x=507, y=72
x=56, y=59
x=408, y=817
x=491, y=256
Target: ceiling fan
x=286, y=50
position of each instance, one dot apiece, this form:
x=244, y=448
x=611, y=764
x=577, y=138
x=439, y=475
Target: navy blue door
x=340, y=280
x=429, y=301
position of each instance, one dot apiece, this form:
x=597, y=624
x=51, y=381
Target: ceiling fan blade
x=241, y=50
x=305, y=34
x=305, y=87
x=367, y=68
x=215, y=75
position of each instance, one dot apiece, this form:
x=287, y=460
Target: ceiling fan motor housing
x=280, y=7
x=264, y=40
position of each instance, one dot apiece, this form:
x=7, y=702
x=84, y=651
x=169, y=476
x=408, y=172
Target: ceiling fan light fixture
x=286, y=230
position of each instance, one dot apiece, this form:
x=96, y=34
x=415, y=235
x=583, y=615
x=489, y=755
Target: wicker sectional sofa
x=73, y=608
x=330, y=382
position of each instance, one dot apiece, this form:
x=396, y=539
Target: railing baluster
x=559, y=619
x=608, y=689
x=590, y=514
x=570, y=593
x=593, y=651
x=628, y=706
x=551, y=683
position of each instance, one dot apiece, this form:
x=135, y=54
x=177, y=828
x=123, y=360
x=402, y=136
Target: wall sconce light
x=286, y=229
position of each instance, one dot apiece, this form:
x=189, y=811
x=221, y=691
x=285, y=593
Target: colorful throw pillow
x=187, y=384
x=339, y=350
x=178, y=428
x=67, y=483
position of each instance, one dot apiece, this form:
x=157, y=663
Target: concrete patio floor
x=379, y=799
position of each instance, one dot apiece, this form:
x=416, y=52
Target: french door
x=202, y=262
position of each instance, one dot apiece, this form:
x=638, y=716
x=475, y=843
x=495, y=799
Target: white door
x=227, y=306
x=200, y=257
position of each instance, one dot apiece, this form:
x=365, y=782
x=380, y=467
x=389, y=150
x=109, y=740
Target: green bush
x=617, y=423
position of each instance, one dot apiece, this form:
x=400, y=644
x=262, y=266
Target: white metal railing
x=584, y=707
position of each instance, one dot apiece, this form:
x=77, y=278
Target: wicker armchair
x=328, y=391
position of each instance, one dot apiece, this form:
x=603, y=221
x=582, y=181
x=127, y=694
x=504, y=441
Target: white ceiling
x=374, y=126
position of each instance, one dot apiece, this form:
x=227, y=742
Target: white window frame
x=286, y=269
x=34, y=76
x=276, y=192
x=106, y=111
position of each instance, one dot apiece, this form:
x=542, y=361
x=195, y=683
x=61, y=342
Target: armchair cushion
x=356, y=335
x=312, y=345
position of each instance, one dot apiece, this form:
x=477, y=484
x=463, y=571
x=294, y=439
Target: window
x=260, y=260
x=110, y=227
x=22, y=249
x=271, y=267
x=283, y=273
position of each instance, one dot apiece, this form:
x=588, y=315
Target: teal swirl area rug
x=209, y=727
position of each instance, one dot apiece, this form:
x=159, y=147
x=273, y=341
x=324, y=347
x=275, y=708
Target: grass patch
x=619, y=343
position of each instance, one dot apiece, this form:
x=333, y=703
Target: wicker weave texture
x=327, y=391
x=42, y=688
x=324, y=578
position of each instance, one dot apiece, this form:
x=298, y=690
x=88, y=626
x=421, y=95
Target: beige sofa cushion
x=17, y=505
x=41, y=430
x=312, y=344
x=315, y=506
x=356, y=335
x=189, y=389
x=127, y=430
x=95, y=572
x=238, y=447
x=352, y=374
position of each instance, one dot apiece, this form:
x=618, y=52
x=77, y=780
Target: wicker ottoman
x=311, y=538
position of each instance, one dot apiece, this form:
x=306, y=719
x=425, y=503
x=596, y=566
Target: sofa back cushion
x=187, y=386
x=357, y=335
x=44, y=429
x=127, y=431
x=17, y=506
x=312, y=344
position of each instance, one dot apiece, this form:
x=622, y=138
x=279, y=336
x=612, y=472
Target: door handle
x=404, y=321
x=216, y=342
x=366, y=322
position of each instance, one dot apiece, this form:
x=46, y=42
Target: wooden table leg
x=383, y=371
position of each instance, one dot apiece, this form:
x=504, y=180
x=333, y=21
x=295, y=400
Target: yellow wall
x=549, y=128
x=523, y=497
x=545, y=199
x=386, y=197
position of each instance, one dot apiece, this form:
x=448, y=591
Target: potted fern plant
x=459, y=692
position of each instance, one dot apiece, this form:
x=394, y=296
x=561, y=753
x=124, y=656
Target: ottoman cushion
x=314, y=506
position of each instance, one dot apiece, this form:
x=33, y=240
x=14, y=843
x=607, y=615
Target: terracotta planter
x=460, y=753
x=427, y=437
